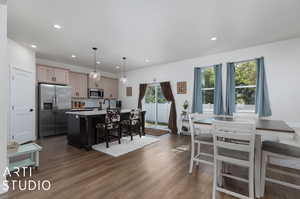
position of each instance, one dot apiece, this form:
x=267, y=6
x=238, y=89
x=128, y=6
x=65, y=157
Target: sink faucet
x=104, y=101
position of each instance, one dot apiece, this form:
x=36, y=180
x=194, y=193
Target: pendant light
x=123, y=78
x=94, y=74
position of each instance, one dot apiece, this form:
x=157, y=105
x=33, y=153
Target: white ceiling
x=159, y=30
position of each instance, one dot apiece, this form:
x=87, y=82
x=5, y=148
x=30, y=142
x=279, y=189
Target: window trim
x=244, y=86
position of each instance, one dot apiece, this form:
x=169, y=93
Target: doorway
x=22, y=122
x=157, y=108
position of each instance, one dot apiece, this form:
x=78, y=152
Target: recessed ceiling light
x=117, y=67
x=147, y=60
x=213, y=38
x=73, y=56
x=33, y=46
x=98, y=62
x=57, y=26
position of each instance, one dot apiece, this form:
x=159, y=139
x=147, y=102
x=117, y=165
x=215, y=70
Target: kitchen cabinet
x=47, y=74
x=110, y=87
x=95, y=83
x=79, y=84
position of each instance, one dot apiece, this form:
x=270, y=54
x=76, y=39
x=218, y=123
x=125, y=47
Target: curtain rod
x=237, y=62
x=154, y=82
x=206, y=66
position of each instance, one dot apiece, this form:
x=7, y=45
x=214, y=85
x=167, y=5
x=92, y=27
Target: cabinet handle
x=54, y=79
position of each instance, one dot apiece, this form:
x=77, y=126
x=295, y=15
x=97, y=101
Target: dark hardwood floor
x=152, y=172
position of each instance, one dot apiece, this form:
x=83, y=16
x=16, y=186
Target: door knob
x=31, y=110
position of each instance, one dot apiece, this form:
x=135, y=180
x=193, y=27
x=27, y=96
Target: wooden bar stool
x=110, y=128
x=233, y=144
x=133, y=125
x=198, y=140
x=272, y=149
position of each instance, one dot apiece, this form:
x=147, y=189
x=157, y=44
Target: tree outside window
x=208, y=87
x=245, y=85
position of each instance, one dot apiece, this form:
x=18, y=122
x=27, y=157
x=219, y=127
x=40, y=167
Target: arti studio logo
x=25, y=184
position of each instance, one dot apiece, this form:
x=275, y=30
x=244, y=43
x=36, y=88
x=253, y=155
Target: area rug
x=115, y=149
x=155, y=132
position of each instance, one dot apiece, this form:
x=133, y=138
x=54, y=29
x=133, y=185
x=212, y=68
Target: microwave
x=96, y=93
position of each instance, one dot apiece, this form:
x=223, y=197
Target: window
x=245, y=85
x=208, y=87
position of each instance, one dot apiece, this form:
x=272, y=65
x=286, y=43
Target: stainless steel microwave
x=96, y=93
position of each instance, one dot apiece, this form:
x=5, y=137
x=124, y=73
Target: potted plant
x=185, y=107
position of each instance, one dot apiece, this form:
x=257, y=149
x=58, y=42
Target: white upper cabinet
x=46, y=74
x=78, y=82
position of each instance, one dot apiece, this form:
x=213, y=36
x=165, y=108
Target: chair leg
x=219, y=172
x=198, y=151
x=120, y=135
x=192, y=158
x=263, y=172
x=251, y=182
x=215, y=180
x=106, y=138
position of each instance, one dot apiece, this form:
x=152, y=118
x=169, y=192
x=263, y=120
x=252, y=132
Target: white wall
x=4, y=72
x=282, y=62
x=79, y=69
x=22, y=57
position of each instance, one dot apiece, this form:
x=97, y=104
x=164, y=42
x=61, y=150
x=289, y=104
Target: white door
x=22, y=106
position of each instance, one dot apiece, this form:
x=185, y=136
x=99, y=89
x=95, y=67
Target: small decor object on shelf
x=128, y=91
x=184, y=129
x=181, y=87
x=12, y=147
x=185, y=107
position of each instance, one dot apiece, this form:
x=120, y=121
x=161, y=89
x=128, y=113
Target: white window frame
x=207, y=108
x=252, y=110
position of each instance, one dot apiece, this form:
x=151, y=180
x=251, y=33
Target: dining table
x=265, y=130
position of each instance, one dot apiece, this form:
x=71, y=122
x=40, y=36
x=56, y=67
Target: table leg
x=257, y=166
x=37, y=159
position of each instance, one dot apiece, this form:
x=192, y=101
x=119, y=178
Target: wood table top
x=261, y=124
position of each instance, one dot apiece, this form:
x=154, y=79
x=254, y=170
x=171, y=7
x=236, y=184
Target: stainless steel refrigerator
x=54, y=101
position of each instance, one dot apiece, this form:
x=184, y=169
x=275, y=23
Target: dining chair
x=245, y=116
x=202, y=116
x=271, y=149
x=197, y=140
x=234, y=144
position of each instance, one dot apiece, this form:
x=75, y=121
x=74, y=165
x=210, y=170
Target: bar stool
x=109, y=127
x=271, y=149
x=132, y=125
x=198, y=140
x=233, y=144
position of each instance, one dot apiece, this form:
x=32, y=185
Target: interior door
x=22, y=122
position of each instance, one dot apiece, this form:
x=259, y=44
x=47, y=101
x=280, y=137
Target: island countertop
x=82, y=126
x=93, y=113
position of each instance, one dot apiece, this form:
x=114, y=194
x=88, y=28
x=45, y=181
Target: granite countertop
x=90, y=113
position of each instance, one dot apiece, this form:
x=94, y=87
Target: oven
x=96, y=93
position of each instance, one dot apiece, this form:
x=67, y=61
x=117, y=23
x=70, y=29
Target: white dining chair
x=283, y=151
x=234, y=144
x=197, y=140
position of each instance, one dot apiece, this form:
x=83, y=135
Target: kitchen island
x=82, y=126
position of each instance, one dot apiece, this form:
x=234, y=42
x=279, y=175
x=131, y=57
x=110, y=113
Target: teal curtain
x=197, y=106
x=230, y=89
x=262, y=101
x=218, y=97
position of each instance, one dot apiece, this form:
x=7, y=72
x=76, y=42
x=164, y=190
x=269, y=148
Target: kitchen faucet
x=104, y=101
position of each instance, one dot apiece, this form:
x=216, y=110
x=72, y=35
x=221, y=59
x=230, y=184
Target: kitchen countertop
x=90, y=113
